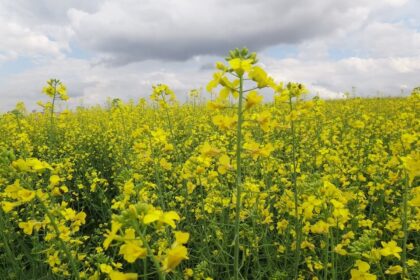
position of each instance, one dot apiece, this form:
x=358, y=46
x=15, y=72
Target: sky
x=120, y=48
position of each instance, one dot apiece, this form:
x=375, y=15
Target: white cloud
x=372, y=45
x=93, y=84
x=396, y=3
x=128, y=30
x=386, y=39
x=368, y=75
x=21, y=41
x=37, y=28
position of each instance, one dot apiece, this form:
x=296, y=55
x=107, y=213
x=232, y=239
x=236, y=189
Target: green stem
x=9, y=251
x=381, y=271
x=61, y=242
x=326, y=257
x=238, y=180
x=18, y=123
x=150, y=253
x=126, y=137
x=295, y=193
x=157, y=176
x=52, y=128
x=145, y=269
x=52, y=111
x=171, y=129
x=333, y=257
x=405, y=228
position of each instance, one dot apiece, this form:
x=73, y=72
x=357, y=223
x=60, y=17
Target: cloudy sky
x=120, y=48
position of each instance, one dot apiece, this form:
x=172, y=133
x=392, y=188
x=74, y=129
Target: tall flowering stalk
x=243, y=70
x=291, y=95
x=57, y=91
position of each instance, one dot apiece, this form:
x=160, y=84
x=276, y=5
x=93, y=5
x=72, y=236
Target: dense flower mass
x=229, y=188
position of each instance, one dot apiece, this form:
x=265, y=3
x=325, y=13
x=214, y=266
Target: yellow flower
x=174, y=256
x=116, y=275
x=31, y=165
x=165, y=164
x=79, y=219
x=115, y=226
x=208, y=151
x=105, y=268
x=216, y=105
x=21, y=165
x=220, y=66
x=282, y=225
x=159, y=93
x=181, y=237
x=306, y=244
x=240, y=65
x=415, y=201
x=224, y=164
x=412, y=164
x=8, y=206
x=19, y=193
x=54, y=260
x=162, y=217
x=188, y=273
x=55, y=88
x=224, y=94
x=132, y=251
x=358, y=124
x=411, y=262
x=258, y=75
x=54, y=180
x=395, y=269
x=339, y=250
x=252, y=99
x=256, y=150
x=408, y=139
x=62, y=91
x=68, y=214
x=390, y=249
x=29, y=226
x=309, y=206
x=361, y=273
x=225, y=122
x=12, y=190
x=25, y=195
x=264, y=120
x=129, y=235
x=217, y=77
x=373, y=255
x=320, y=227
x=64, y=232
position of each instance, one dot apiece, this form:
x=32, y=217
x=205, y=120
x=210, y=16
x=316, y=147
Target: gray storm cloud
x=127, y=31
x=119, y=48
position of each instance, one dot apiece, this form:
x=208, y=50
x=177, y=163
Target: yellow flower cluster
x=223, y=186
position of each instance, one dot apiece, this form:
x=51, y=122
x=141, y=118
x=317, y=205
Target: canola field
x=234, y=188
